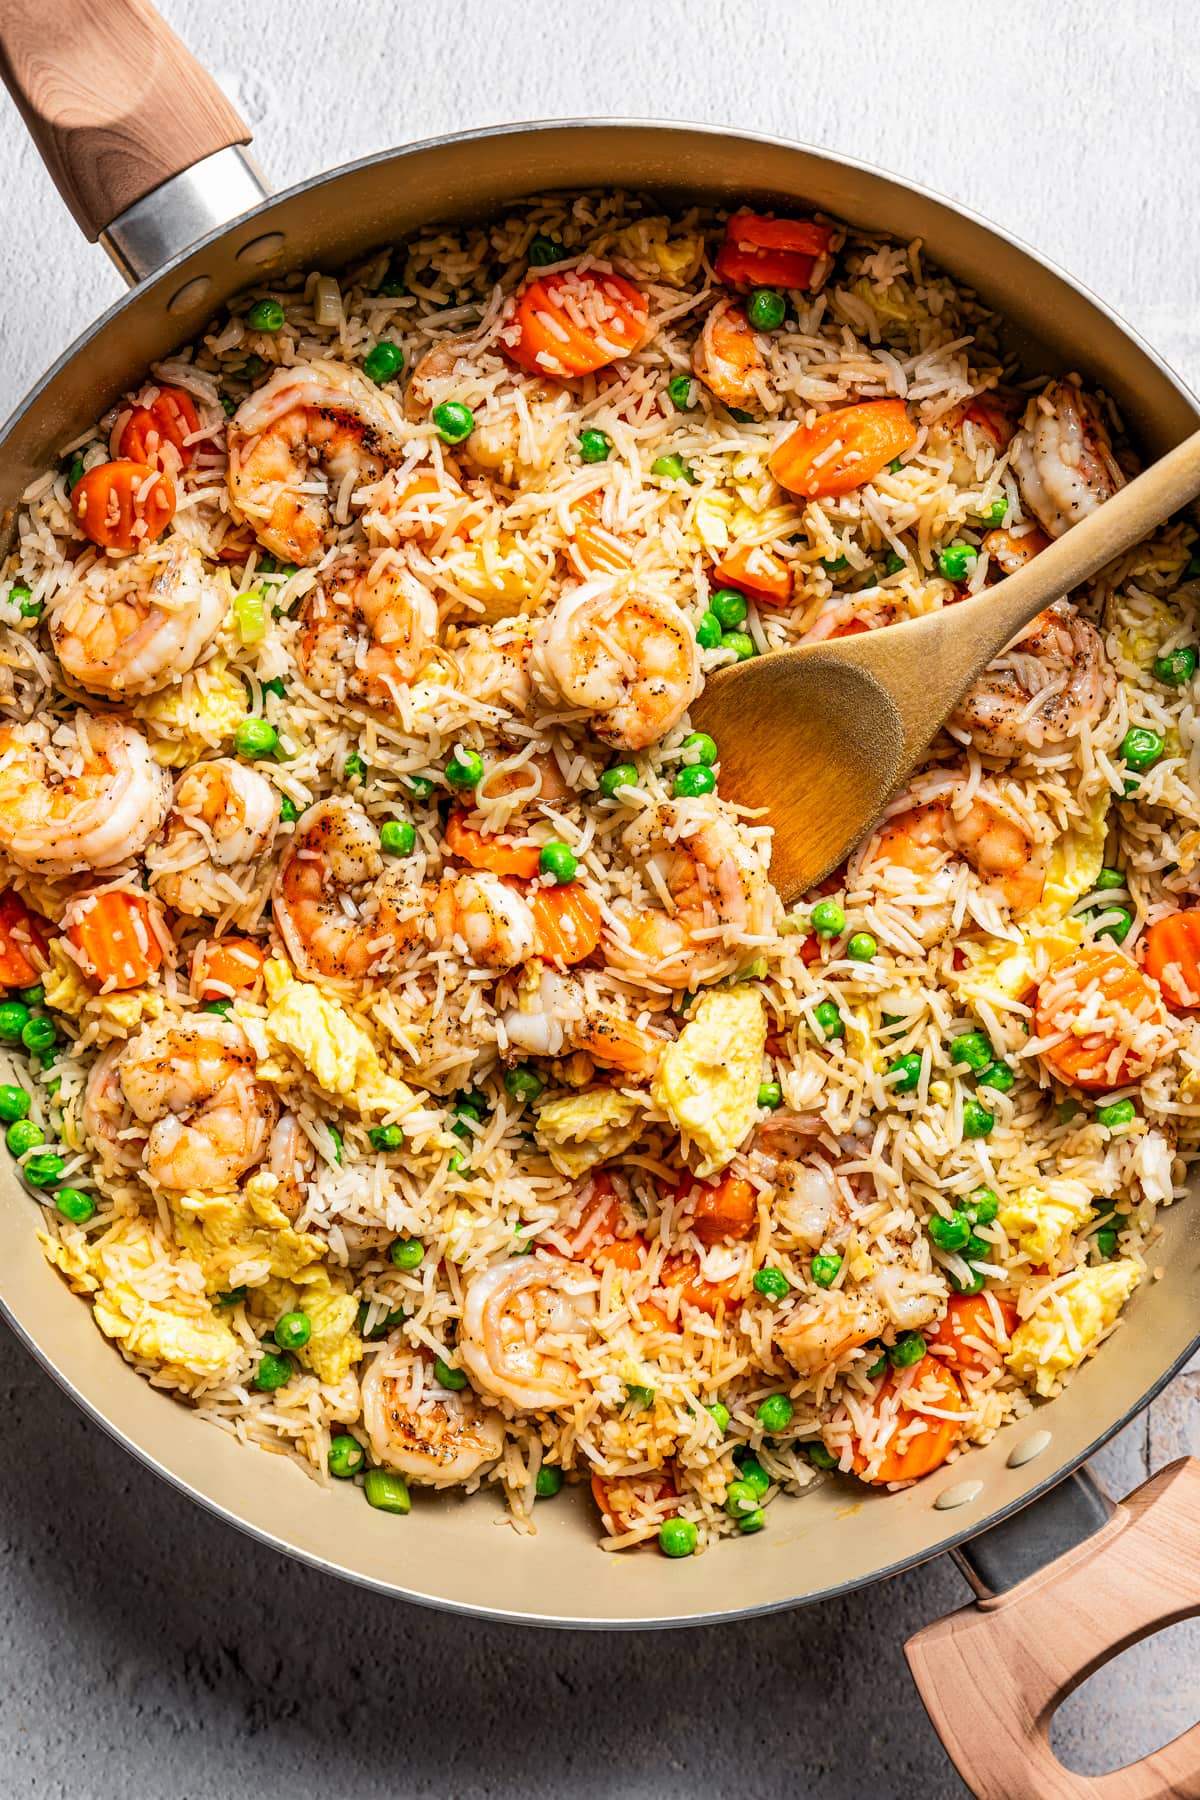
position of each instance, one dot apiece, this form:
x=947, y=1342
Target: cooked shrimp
x=91, y=797
x=291, y=1157
x=493, y=665
x=819, y=1333
x=222, y=820
x=727, y=359
x=1062, y=457
x=421, y=1429
x=314, y=425
x=338, y=914
x=133, y=626
x=368, y=631
x=1011, y=550
x=1055, y=679
x=181, y=1100
x=628, y=659
x=718, y=892
x=521, y=1320
x=517, y=422
x=555, y=1015
x=987, y=836
x=486, y=917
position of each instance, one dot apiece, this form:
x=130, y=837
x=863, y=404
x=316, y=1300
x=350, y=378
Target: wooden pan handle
x=992, y=1675
x=113, y=101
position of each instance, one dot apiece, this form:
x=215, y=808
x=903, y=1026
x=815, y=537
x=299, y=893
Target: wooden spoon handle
x=114, y=102
x=993, y=1675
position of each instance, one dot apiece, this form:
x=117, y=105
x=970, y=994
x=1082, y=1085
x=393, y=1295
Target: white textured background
x=148, y=1653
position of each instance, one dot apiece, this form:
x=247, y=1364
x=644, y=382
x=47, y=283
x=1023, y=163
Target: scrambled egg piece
x=68, y=991
x=1041, y=1220
x=498, y=571
x=712, y=515
x=650, y=246
x=1067, y=1324
x=187, y=721
x=335, y=1047
x=143, y=1301
x=243, y=1239
x=582, y=1130
x=707, y=1080
x=334, y=1346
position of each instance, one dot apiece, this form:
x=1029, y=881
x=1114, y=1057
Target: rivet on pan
x=958, y=1495
x=191, y=294
x=1030, y=1447
x=262, y=249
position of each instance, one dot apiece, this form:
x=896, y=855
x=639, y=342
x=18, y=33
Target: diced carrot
x=566, y=922
x=1011, y=552
x=764, y=252
x=596, y=1237
x=757, y=571
x=617, y=1498
x=851, y=628
x=576, y=321
x=726, y=1208
x=115, y=938
x=599, y=550
x=997, y=414
x=1099, y=1055
x=24, y=936
x=970, y=1316
x=227, y=966
x=682, y=1273
x=927, y=1448
x=123, y=505
x=843, y=449
x=170, y=418
x=1173, y=956
x=424, y=506
x=502, y=855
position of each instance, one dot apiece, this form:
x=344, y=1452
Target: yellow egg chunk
x=243, y=1239
x=335, y=1047
x=1041, y=1220
x=1068, y=1322
x=582, y=1130
x=707, y=1080
x=195, y=718
x=334, y=1346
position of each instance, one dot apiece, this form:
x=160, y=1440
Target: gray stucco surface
x=148, y=1652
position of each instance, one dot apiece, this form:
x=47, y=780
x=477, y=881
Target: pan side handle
x=992, y=1675
x=117, y=108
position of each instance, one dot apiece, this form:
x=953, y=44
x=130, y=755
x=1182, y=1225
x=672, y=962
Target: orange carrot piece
x=617, y=1497
x=723, y=1209
x=682, y=1273
x=927, y=1449
x=1173, y=956
x=170, y=418
x=756, y=571
x=424, y=505
x=599, y=550
x=123, y=505
x=842, y=450
x=1086, y=1057
x=576, y=321
x=228, y=966
x=765, y=252
x=502, y=855
x=115, y=938
x=970, y=1316
x=566, y=922
x=997, y=414
x=24, y=936
x=597, y=1239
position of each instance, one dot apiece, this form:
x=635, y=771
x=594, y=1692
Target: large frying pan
x=146, y=152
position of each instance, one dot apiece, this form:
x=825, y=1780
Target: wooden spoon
x=822, y=735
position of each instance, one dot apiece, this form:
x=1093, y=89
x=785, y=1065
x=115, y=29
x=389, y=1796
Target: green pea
x=1116, y=1115
x=471, y=1101
x=1108, y=879
x=39, y=1034
x=895, y=466
x=409, y=1253
x=835, y=565
x=775, y=1413
x=272, y=1372
x=827, y=1016
x=893, y=563
x=692, y=781
x=908, y=1349
x=729, y=607
x=1106, y=1239
x=878, y=1366
x=973, y=1049
x=19, y=593
x=14, y=1104
x=754, y=1476
x=996, y=513
x=524, y=1084
x=43, y=1169
x=594, y=446
x=904, y=1075
x=639, y=1397
x=1140, y=748
x=950, y=1234
x=741, y=643
x=75, y=474
x=289, y=812
x=549, y=1482
x=720, y=1415
x=31, y=609
x=265, y=315
x=677, y=1537
x=454, y=421
x=977, y=1121
x=621, y=775
x=703, y=748
x=337, y=1141
x=972, y=1283
x=13, y=1019
x=740, y=1499
x=231, y=1297
x=708, y=631
x=386, y=1492
x=293, y=1330
x=741, y=415
x=454, y=1379
x=255, y=738
x=1115, y=922
x=978, y=1249
x=559, y=861
x=543, y=250
x=672, y=468
x=824, y=1269
x=770, y=1096
x=252, y=368
x=23, y=1135
x=999, y=1078
x=772, y=1283
x=1173, y=669
x=75, y=1206
x=820, y=1457
x=955, y=561
x=382, y=1326
x=397, y=837
x=354, y=768
x=346, y=1456
x=465, y=771
x=681, y=391
x=862, y=947
x=386, y=1138
x=827, y=918
x=32, y=996
x=393, y=287
x=383, y=363
x=766, y=309
x=983, y=1206
x=419, y=786
x=752, y=1522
